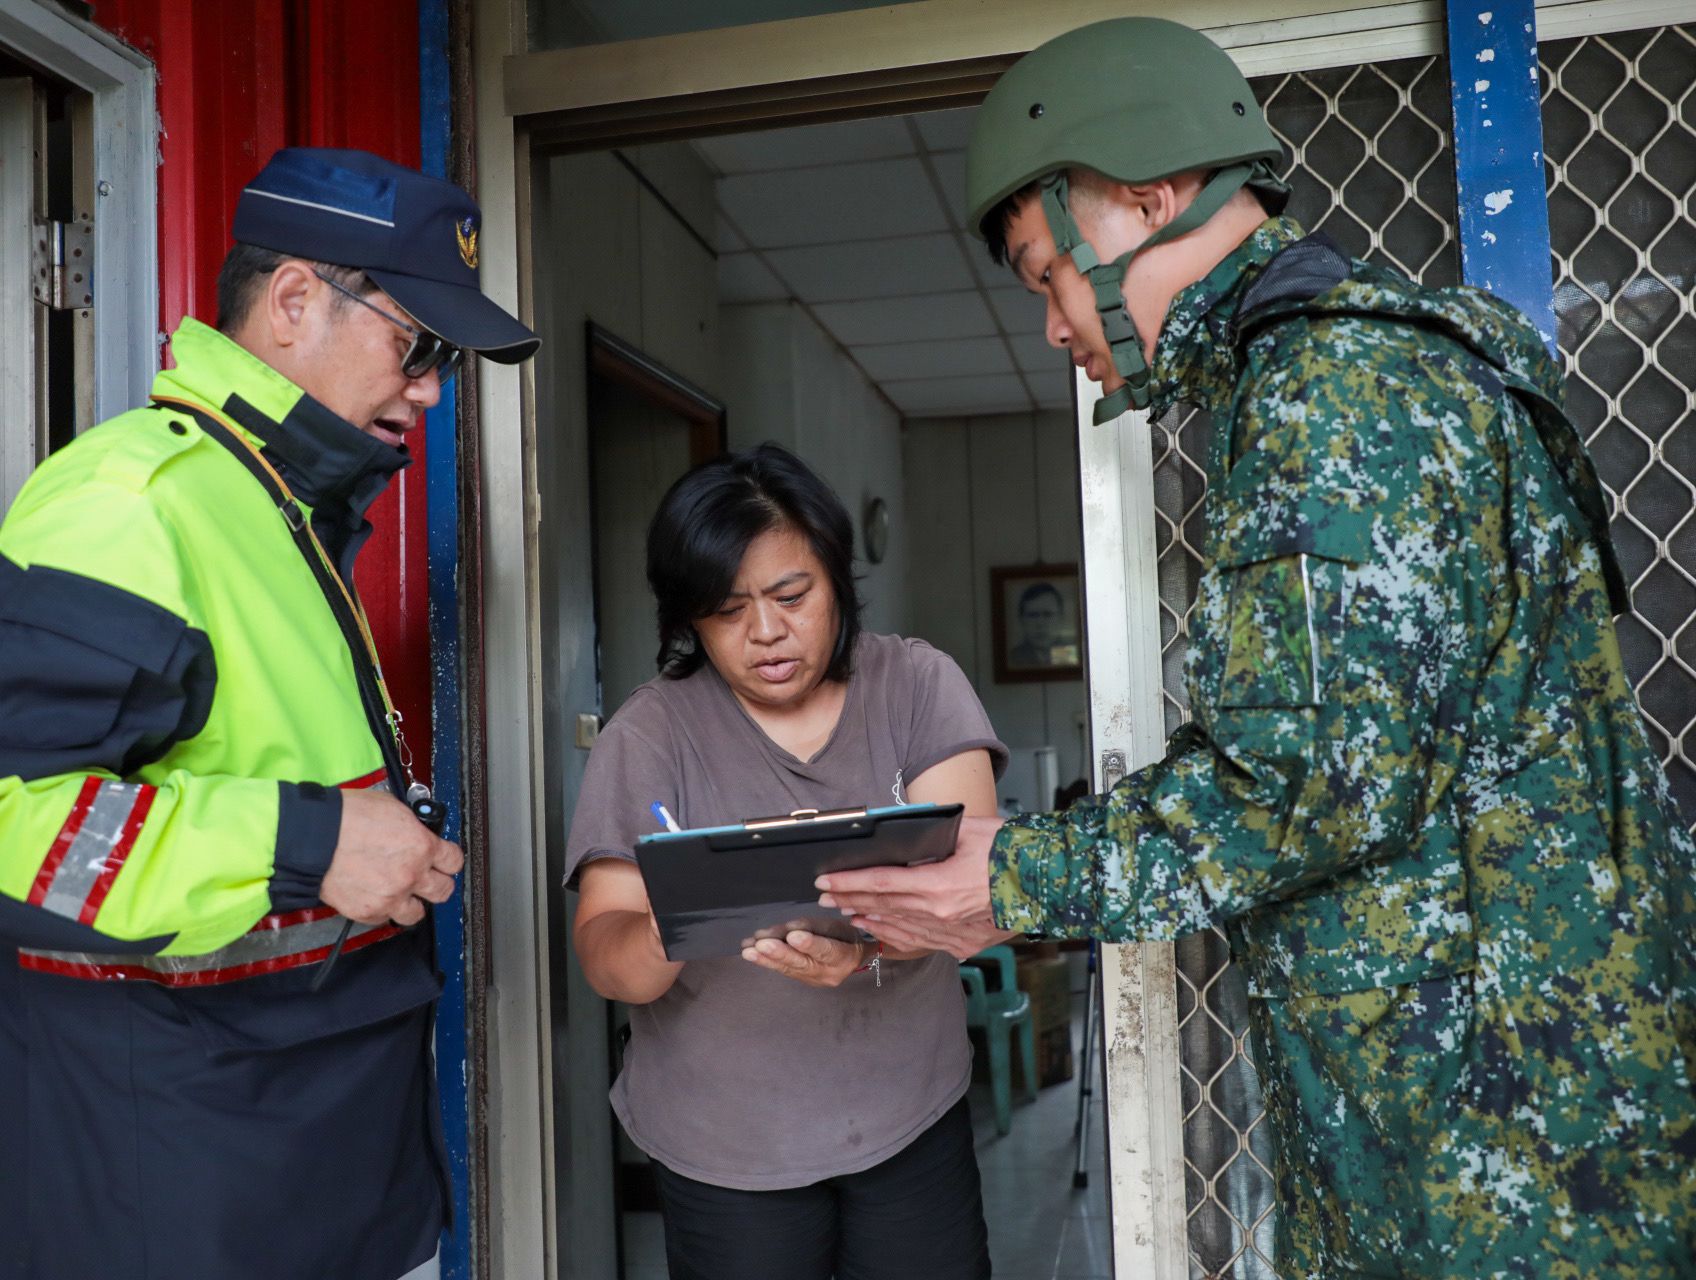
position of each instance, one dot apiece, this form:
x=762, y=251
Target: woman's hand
x=617, y=938
x=807, y=957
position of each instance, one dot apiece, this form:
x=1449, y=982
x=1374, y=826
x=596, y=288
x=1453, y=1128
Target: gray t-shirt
x=737, y=1076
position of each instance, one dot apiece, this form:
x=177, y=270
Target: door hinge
x=62, y=264
x=588, y=729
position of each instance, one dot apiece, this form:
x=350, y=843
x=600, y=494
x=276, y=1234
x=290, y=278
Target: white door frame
x=125, y=140
x=520, y=1070
x=1145, y=1139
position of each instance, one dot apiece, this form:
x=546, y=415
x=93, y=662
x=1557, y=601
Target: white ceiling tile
x=840, y=142
x=874, y=268
x=726, y=239
x=825, y=206
x=1034, y=354
x=742, y=277
x=886, y=361
x=935, y=397
x=951, y=172
x=1018, y=310
x=946, y=130
x=911, y=319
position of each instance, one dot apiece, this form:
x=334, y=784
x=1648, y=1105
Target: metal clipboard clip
x=800, y=816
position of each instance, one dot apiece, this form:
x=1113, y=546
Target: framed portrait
x=1037, y=622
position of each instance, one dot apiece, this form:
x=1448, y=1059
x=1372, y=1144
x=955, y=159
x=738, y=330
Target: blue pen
x=665, y=819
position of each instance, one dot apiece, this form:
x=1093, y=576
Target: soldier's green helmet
x=1133, y=99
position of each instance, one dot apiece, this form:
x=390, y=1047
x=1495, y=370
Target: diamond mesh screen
x=1372, y=167
x=1619, y=135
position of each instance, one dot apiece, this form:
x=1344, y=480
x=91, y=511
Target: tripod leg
x=1086, y=1067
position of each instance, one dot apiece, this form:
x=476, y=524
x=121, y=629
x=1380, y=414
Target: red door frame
x=237, y=81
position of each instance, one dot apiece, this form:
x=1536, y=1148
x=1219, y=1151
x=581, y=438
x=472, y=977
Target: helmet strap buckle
x=1108, y=279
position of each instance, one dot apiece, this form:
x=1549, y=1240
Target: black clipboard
x=714, y=890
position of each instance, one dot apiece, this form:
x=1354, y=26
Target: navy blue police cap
x=415, y=236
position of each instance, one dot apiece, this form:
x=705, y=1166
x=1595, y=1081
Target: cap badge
x=465, y=231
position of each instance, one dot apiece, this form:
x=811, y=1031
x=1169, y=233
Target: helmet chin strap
x=1108, y=278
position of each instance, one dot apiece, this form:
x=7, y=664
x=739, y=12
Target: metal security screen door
x=1619, y=137
x=1373, y=167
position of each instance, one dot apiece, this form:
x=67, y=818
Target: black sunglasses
x=428, y=350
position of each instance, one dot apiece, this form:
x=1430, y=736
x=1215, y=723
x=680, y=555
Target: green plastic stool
x=1001, y=1013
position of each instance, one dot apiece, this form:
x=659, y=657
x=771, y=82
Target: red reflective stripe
x=369, y=780
x=63, y=841
x=115, y=860
x=202, y=978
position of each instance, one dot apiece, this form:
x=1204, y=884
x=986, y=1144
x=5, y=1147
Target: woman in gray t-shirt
x=804, y=1102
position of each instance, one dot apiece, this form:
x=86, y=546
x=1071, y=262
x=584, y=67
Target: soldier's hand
x=942, y=907
x=387, y=864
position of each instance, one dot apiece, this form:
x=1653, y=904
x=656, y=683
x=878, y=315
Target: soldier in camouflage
x=1416, y=790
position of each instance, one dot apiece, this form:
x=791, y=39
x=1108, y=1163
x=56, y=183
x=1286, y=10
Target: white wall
x=986, y=491
x=634, y=266
x=786, y=380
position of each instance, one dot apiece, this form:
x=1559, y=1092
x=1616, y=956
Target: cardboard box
x=1048, y=982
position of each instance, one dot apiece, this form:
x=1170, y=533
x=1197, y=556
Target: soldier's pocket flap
x=1362, y=969
x=1385, y=930
x=1258, y=524
x=1283, y=582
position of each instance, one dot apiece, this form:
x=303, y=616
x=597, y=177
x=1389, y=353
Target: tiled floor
x=1040, y=1228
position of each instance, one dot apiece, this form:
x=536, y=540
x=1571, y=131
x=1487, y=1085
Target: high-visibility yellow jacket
x=173, y=676
x=178, y=709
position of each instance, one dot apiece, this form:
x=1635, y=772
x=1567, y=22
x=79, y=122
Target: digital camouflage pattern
x=1418, y=794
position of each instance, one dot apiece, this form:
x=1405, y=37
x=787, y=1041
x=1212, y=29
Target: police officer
x=1416, y=789
x=215, y=1007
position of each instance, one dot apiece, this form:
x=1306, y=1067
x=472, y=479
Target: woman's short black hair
x=702, y=530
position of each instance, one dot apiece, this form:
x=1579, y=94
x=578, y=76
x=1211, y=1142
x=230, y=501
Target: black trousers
x=919, y=1213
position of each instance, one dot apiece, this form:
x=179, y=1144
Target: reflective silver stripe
x=313, y=204
x=99, y=834
x=265, y=943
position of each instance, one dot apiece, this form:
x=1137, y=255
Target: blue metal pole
x=1499, y=183
x=441, y=452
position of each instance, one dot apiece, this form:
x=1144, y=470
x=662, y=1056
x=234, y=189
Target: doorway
x=817, y=284
x=78, y=288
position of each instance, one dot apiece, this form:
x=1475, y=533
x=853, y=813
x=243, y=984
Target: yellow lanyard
x=353, y=604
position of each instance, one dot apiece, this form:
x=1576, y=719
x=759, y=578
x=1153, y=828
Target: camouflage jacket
x=1416, y=792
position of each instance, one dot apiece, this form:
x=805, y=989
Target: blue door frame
x=1498, y=133
x=441, y=444
x=1503, y=229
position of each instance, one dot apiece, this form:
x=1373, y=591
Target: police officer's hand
x=387, y=864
